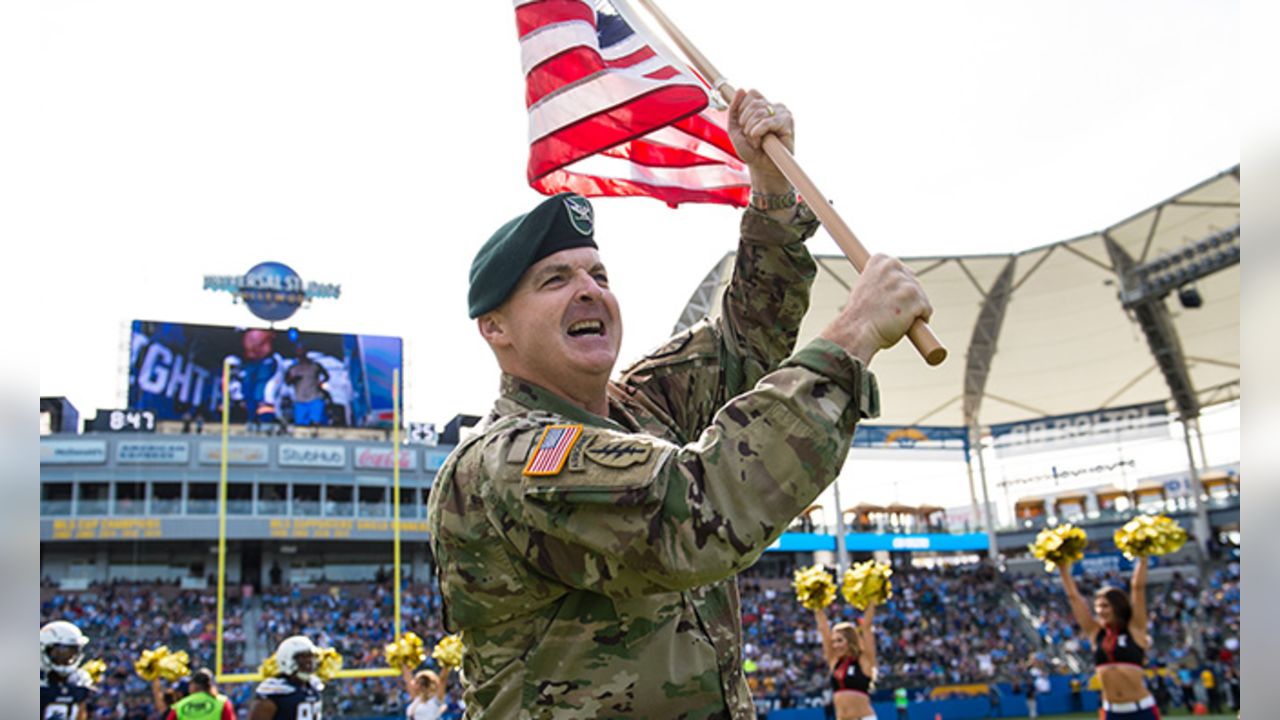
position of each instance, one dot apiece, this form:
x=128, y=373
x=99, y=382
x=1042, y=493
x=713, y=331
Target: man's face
x=306, y=661
x=562, y=321
x=62, y=654
x=257, y=344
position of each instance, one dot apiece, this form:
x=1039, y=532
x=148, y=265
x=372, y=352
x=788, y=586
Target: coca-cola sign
x=380, y=458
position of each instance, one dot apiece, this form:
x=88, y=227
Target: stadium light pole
x=1202, y=527
x=993, y=550
x=973, y=490
x=842, y=550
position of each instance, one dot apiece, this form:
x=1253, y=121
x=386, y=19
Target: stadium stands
x=947, y=630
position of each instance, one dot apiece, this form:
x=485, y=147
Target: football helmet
x=287, y=656
x=61, y=647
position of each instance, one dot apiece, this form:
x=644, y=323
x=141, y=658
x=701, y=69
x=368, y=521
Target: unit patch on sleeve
x=619, y=453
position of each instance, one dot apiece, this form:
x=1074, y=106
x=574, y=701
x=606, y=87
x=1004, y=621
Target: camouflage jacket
x=605, y=587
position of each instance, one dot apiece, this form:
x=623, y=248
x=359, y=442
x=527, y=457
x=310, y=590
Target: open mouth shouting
x=586, y=327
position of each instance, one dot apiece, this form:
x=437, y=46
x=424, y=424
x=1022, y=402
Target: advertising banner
x=73, y=452
x=153, y=452
x=869, y=542
x=380, y=457
x=277, y=376
x=238, y=453
x=1106, y=562
x=312, y=455
x=238, y=528
x=911, y=437
x=1060, y=432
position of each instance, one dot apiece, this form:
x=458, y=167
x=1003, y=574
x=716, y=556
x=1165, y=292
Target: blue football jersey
x=60, y=699
x=293, y=701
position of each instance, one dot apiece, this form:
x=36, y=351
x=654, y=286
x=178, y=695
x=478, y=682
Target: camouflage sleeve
x=767, y=296
x=695, y=373
x=632, y=514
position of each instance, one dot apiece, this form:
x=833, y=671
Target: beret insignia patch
x=581, y=216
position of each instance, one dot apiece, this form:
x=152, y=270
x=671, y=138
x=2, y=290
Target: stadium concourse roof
x=1043, y=331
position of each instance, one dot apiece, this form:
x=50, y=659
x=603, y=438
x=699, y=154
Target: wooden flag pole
x=920, y=335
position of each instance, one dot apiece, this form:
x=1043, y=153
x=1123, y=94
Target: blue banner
x=1103, y=563
x=911, y=437
x=868, y=542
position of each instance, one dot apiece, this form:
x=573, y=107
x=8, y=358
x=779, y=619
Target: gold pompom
x=866, y=584
x=1059, y=546
x=408, y=652
x=269, y=668
x=95, y=669
x=328, y=664
x=1147, y=535
x=174, y=666
x=814, y=587
x=148, y=663
x=448, y=652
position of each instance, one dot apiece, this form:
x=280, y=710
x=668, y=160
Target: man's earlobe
x=491, y=328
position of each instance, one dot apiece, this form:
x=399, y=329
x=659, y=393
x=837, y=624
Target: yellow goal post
x=222, y=536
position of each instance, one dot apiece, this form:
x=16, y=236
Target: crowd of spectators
x=943, y=626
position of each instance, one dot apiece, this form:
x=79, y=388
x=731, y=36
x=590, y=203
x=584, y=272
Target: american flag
x=611, y=112
x=553, y=449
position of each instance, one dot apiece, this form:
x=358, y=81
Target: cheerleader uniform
x=1111, y=647
x=847, y=676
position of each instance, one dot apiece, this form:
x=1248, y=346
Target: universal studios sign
x=1088, y=428
x=271, y=290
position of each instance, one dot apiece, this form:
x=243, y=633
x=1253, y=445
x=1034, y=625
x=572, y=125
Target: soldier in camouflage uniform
x=587, y=539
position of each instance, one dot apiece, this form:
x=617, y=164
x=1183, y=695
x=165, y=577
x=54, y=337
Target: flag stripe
x=677, y=136
x=663, y=73
x=535, y=15
x=589, y=135
x=545, y=43
x=645, y=101
x=635, y=57
x=559, y=72
x=709, y=126
x=594, y=185
x=651, y=154
x=709, y=176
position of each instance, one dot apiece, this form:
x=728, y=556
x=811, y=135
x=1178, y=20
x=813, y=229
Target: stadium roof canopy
x=1043, y=331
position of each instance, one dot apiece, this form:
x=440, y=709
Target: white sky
x=377, y=145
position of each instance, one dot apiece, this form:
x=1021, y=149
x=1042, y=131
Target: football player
x=64, y=687
x=294, y=693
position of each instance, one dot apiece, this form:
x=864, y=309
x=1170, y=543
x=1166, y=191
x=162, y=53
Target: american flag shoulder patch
x=552, y=450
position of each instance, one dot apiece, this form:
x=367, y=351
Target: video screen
x=277, y=376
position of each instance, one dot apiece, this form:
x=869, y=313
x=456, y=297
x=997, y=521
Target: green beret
x=560, y=222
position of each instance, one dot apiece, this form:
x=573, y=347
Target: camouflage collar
x=526, y=395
